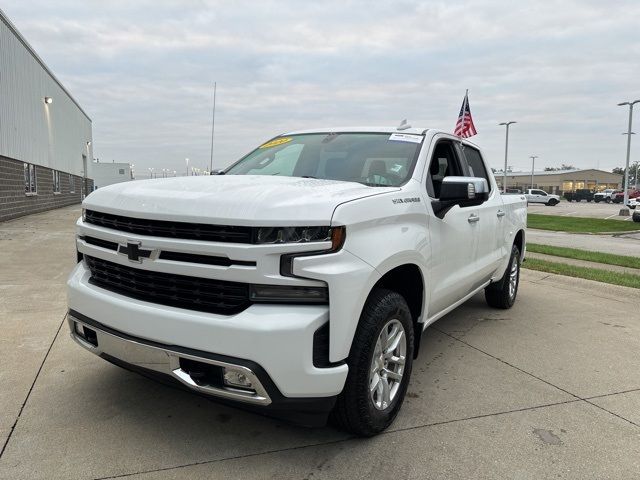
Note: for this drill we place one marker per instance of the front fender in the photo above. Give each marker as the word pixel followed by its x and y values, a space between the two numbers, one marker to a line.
pixel 350 280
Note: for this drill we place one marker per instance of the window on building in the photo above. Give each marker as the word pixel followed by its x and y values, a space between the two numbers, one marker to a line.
pixel 56 181
pixel 121 171
pixel 30 183
pixel 72 184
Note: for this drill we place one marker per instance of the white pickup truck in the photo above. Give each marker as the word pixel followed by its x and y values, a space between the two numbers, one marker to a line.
pixel 535 195
pixel 298 281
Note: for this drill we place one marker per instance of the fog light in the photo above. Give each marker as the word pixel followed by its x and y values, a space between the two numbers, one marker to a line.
pixel 236 378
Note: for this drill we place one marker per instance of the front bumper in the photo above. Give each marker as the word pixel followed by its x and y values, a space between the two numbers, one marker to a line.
pixel 167 363
pixel 278 338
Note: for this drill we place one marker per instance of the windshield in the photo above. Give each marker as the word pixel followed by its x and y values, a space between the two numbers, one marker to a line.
pixel 375 159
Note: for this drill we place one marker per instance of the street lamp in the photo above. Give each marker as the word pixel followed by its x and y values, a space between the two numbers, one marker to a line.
pixel 506 152
pixel 48 100
pixel 625 210
pixel 533 162
pixel 187 162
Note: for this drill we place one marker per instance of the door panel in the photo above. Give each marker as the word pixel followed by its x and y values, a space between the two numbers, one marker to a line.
pixel 453 238
pixel 491 216
pixel 454 241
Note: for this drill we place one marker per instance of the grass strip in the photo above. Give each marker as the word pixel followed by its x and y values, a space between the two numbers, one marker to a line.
pixel 605 276
pixel 586 255
pixel 579 224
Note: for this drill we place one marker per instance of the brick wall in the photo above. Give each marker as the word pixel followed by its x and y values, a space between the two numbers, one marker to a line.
pixel 13 201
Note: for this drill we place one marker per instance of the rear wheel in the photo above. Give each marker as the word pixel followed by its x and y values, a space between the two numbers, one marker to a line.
pixel 502 294
pixel 380 364
pixel 553 202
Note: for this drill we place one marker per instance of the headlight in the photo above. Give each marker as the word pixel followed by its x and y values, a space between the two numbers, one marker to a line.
pixel 84 214
pixel 293 234
pixel 288 294
pixel 337 238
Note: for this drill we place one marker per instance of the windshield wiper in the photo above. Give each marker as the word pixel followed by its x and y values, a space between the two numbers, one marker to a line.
pixel 308 176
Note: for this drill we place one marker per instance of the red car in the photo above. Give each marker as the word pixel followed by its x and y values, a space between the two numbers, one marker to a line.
pixel 618 197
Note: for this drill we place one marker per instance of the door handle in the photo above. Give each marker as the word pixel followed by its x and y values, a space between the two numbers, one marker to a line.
pixel 473 218
pixel 500 213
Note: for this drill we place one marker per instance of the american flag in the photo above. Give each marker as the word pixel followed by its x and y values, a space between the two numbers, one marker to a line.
pixel 464 126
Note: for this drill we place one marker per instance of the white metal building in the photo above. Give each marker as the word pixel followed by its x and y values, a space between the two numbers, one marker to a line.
pixel 45 135
pixel 104 174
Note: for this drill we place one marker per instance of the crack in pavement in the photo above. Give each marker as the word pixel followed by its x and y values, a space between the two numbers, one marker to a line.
pixel 586 400
pixel 13 427
pixel 343 440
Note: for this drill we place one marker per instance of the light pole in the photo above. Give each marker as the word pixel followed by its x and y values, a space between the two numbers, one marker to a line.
pixel 625 210
pixel 213 123
pixel 187 162
pixel 506 154
pixel 533 163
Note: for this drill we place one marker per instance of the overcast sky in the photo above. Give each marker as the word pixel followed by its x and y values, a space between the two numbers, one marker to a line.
pixel 144 69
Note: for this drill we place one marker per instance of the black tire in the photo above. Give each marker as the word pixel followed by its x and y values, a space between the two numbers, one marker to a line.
pixel 552 203
pixel 636 217
pixel 499 294
pixel 608 200
pixel 354 410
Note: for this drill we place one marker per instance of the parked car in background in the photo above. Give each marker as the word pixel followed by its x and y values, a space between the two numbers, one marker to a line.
pixel 605 195
pixel 579 195
pixel 618 197
pixel 636 217
pixel 633 203
pixel 540 196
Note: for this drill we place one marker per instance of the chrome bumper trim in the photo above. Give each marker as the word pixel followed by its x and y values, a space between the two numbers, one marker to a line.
pixel 168 362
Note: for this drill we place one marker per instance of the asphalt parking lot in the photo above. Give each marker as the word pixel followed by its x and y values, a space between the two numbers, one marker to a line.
pixel 581 209
pixel 548 389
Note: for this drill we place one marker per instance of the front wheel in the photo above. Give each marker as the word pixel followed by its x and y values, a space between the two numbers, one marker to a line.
pixel 553 202
pixel 502 294
pixel 380 364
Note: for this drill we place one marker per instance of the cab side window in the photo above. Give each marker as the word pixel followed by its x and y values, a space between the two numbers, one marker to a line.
pixel 444 163
pixel 474 163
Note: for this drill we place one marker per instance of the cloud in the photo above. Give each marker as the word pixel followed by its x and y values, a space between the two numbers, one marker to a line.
pixel 144 71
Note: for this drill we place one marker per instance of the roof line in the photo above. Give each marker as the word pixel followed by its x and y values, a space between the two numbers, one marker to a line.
pixel 37 58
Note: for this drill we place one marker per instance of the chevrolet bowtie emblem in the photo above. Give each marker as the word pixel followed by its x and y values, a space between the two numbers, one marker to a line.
pixel 133 251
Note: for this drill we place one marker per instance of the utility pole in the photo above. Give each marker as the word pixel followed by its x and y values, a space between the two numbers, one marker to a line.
pixel 213 125
pixel 533 163
pixel 625 210
pixel 506 155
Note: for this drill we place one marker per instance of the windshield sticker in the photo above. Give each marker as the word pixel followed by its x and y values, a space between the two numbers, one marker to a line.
pixel 276 142
pixel 406 137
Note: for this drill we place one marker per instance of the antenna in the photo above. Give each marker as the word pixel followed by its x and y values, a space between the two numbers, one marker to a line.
pixel 403 125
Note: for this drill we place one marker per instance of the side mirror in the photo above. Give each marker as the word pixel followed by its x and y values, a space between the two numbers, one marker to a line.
pixel 217 171
pixel 463 191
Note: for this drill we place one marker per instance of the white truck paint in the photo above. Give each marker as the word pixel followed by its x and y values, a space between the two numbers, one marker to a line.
pixel 605 195
pixel 535 195
pixel 383 232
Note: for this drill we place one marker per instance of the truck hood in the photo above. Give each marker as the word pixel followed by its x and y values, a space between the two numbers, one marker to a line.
pixel 231 199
